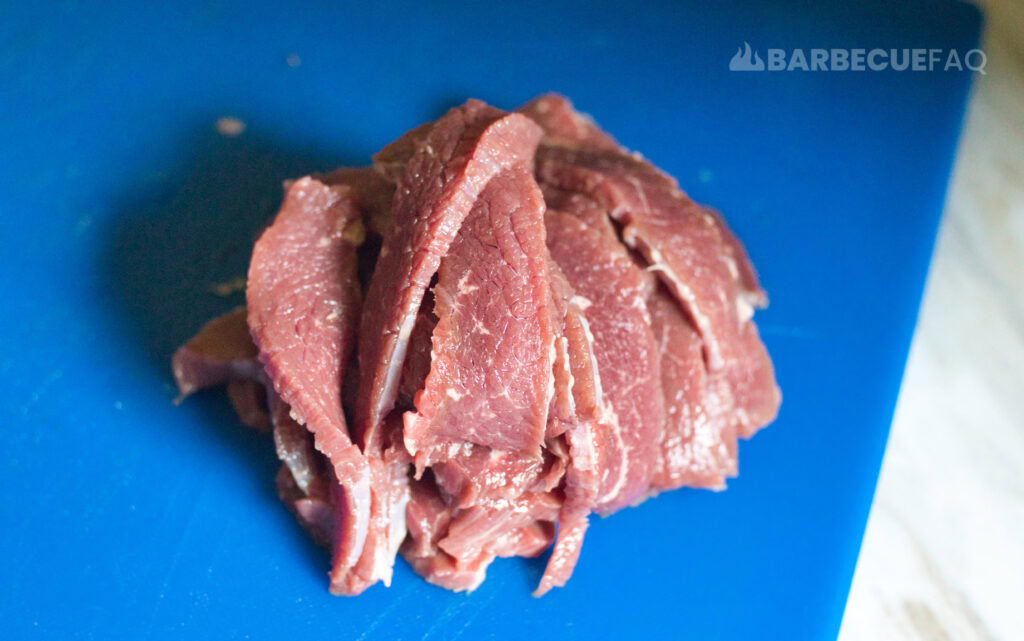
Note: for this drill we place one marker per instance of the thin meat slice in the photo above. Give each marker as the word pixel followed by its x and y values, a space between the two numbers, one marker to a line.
pixel 697 449
pixel 563 125
pixel 373 194
pixel 694 253
pixel 303 301
pixel 441 181
pixel 491 377
pixel 249 400
pixel 474 473
pixel 579 414
pixel 304 480
pixel 749 283
pixel 610 292
pixel 428 516
pixel 750 384
pixel 594 439
pixel 417 360
pixel 582 484
pixel 675 235
pixel 495 527
pixel 221 351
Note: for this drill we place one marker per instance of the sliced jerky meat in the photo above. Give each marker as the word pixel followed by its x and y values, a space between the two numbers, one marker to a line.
pixel 303 303
pixel 551 328
pixel 563 125
pixel 671 231
pixel 611 293
pixel 372 192
pixel 691 248
pixel 491 376
pixel 697 449
pixel 440 183
pixel 222 350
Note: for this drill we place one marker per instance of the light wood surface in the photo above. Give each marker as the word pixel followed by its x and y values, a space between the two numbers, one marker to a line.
pixel 943 556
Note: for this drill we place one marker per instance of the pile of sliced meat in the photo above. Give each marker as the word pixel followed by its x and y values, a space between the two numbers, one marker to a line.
pixel 507 323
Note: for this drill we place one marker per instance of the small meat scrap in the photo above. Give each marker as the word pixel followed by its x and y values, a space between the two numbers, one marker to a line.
pixel 505 323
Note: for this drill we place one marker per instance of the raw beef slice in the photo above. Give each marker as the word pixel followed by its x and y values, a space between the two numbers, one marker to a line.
pixel 551 328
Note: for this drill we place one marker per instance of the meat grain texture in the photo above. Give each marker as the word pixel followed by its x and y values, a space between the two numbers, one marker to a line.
pixel 505 324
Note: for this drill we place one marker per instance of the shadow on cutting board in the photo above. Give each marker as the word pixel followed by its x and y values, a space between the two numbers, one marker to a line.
pixel 179 249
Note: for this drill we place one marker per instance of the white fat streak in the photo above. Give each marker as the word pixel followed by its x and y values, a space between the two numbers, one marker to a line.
pixel 361 497
pixel 581 446
pixel 744 310
pixel 640 190
pixel 682 291
pixel 452 394
pixel 610 418
pixel 481 329
pixel 580 302
pixel 598 392
pixel 478 578
pixel 567 369
pixel 396 534
pixel 549 393
pixel 607 416
pixel 463 287
pixel 396 361
pixel 734 271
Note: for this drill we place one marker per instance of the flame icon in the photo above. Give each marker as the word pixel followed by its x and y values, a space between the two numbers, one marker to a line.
pixel 746 59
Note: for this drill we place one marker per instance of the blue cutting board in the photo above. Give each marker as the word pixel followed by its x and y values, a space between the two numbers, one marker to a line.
pixel 124 516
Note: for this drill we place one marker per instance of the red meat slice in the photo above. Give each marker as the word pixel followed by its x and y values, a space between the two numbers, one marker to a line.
pixel 698 258
pixel 563 125
pixel 222 350
pixel 474 473
pixel 440 184
pixel 586 429
pixel 303 302
pixel 491 376
pixel 697 449
pixel 610 292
